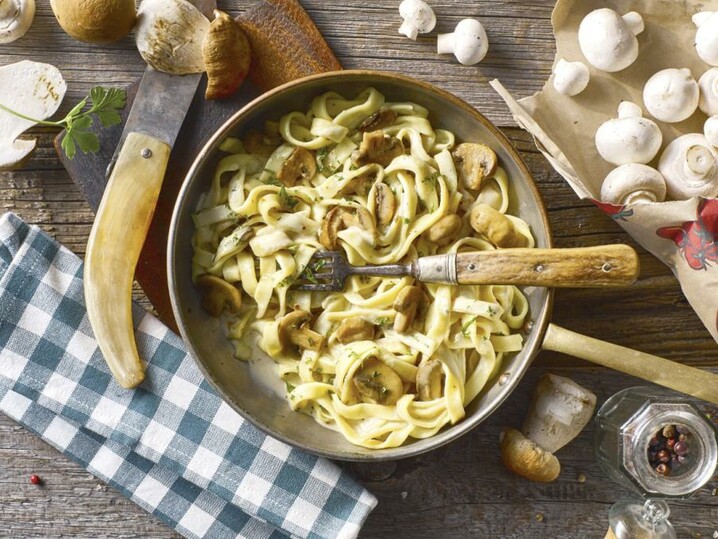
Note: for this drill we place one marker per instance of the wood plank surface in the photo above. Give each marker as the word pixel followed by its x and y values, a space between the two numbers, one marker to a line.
pixel 461 490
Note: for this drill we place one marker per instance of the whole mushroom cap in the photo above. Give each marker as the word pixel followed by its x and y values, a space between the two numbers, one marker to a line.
pixel 689 166
pixel 710 130
pixel 671 95
pixel 608 40
pixel 708 85
pixel 707 36
pixel 16 17
pixel 630 138
pixel 633 183
pixel 570 78
pixel 418 18
pixel 95 21
pixel 468 42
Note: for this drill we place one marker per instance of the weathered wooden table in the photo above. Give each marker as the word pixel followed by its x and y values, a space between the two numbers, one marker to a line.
pixel 458 491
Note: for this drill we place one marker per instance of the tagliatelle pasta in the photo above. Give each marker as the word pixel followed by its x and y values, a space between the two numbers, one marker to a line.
pixel 365 361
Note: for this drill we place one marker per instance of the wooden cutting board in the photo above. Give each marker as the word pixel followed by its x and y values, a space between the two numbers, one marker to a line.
pixel 286 45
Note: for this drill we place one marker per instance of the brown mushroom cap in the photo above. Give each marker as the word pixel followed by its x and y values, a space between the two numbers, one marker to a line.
pixel 525 458
pixel 377 383
pixel 377 147
pixel 379 120
pixel 497 228
pixel 385 204
pixel 292 330
pixel 355 329
pixel 255 142
pixel 406 304
pixel 475 162
pixel 218 295
pixel 429 380
pixel 340 218
pixel 444 230
pixel 300 165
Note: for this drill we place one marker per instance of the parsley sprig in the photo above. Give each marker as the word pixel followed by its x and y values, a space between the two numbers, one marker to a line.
pixel 104 103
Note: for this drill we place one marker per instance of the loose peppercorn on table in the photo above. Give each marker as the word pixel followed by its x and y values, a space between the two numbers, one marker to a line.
pixel 461 490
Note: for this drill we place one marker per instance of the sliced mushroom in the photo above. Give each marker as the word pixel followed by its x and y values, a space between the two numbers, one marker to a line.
pixel 377 383
pixel 218 295
pixel 300 165
pixel 497 228
pixel 406 304
pixel 385 204
pixel 377 147
pixel 340 218
pixel 260 143
pixel 379 120
pixel 355 329
pixel 293 330
pixel 526 458
pixel 429 376
pixel 475 162
pixel 444 230
pixel 360 185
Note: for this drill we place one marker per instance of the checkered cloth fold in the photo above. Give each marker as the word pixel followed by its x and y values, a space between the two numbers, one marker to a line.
pixel 171 445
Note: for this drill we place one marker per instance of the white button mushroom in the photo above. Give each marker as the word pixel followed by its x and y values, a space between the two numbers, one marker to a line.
pixel 688 165
pixel 570 78
pixel 708 84
pixel 468 42
pixel 608 40
pixel 707 36
pixel 418 18
pixel 710 130
pixel 671 95
pixel 633 183
pixel 15 19
pixel 630 138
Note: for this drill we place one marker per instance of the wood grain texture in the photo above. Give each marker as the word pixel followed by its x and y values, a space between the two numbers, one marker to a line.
pixel 588 267
pixel 460 490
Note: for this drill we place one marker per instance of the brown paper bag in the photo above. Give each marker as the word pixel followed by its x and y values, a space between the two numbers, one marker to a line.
pixel 682 234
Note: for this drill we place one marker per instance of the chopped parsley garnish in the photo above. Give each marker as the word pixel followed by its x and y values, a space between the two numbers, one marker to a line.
pixel 288 201
pixel 465 327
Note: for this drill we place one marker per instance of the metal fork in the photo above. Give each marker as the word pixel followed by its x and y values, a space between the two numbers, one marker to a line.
pixel 589 267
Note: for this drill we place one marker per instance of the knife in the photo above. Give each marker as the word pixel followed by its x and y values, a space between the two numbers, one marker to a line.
pixel 125 212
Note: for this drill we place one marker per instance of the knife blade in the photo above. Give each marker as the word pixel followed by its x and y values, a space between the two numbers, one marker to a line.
pixel 125 212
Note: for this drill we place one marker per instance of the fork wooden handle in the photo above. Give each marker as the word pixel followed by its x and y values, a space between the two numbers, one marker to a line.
pixel 589 267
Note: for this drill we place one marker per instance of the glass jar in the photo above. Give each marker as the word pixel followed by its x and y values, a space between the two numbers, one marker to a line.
pixel 628 427
pixel 631 520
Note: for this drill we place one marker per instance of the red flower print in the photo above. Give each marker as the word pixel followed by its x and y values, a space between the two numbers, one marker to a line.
pixel 697 239
pixel 615 212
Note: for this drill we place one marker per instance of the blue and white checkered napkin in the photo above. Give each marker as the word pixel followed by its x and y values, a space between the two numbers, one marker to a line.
pixel 171 445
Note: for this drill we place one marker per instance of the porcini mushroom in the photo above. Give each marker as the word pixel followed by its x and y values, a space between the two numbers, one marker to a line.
pixel 688 165
pixel 710 130
pixel 475 163
pixel 633 183
pixel 385 204
pixel 293 330
pixel 95 21
pixel 418 18
pixel 559 411
pixel 570 78
pixel 218 295
pixel 429 377
pixel 671 95
pixel 354 329
pixel 444 230
pixel 34 90
pixel 300 165
pixel 608 40
pixel 525 458
pixel 406 305
pixel 169 35
pixel 379 120
pixel 630 138
pixel 16 17
pixel 495 226
pixel 377 383
pixel 707 36
pixel 377 147
pixel 226 56
pixel 468 42
pixel 708 85
pixel 340 218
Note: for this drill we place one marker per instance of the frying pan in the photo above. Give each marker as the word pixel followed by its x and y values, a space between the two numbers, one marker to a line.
pixel 254 390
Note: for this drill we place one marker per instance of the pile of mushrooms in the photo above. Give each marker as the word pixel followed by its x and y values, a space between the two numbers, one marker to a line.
pixel 559 411
pixel 688 166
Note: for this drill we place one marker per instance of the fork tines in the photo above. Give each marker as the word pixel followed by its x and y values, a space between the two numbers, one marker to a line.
pixel 321 273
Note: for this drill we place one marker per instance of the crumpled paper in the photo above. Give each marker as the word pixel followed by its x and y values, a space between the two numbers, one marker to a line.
pixel 682 234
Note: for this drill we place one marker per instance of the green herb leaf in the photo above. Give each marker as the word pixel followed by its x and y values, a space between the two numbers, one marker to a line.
pixel 287 200
pixel 465 327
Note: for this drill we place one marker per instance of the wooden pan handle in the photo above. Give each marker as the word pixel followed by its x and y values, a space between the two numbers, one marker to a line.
pixel 589 267
pixel 689 380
